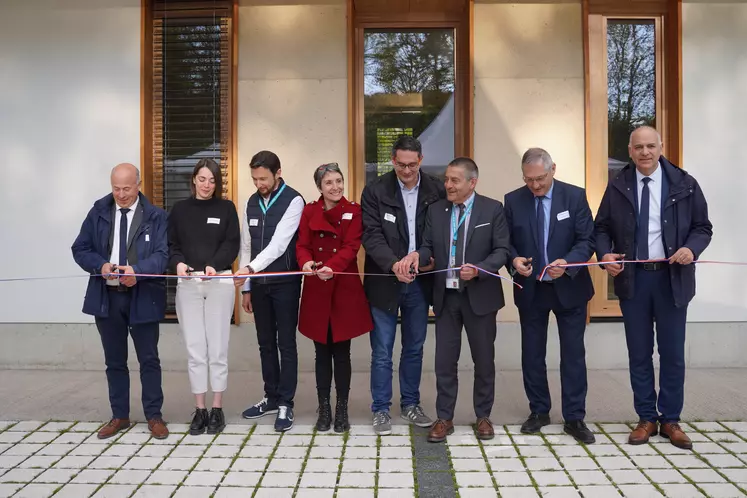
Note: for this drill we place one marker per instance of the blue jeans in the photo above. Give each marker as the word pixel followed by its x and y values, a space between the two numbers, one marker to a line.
pixel 414 309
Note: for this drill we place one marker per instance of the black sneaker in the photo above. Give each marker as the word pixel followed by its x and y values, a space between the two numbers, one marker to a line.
pixel 264 407
pixel 217 421
pixel 535 422
pixel 199 422
pixel 284 420
pixel 579 431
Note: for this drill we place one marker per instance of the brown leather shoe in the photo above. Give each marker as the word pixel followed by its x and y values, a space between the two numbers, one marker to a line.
pixel 158 428
pixel 439 431
pixel 643 432
pixel 676 436
pixel 485 428
pixel 114 426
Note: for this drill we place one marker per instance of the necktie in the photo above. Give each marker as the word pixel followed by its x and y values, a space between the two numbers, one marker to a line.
pixel 123 237
pixel 643 221
pixel 459 259
pixel 541 231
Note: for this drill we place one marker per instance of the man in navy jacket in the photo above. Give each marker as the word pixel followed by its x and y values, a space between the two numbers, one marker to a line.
pixel 653 211
pixel 550 223
pixel 125 233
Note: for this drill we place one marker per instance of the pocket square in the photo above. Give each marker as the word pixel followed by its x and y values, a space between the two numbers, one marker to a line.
pixel 483 225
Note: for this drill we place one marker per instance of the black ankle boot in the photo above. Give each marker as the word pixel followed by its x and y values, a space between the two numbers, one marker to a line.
pixel 342 423
pixel 199 422
pixel 324 421
pixel 217 421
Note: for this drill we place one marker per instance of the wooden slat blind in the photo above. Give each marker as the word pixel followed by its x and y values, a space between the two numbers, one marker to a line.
pixel 191 101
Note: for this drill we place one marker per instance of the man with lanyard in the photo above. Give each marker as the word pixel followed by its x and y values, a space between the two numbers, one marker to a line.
pixel 468 231
pixel 268 244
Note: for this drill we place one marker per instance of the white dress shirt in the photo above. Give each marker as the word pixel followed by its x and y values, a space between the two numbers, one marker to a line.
pixel 410 197
pixel 284 232
pixel 455 264
pixel 655 242
pixel 114 256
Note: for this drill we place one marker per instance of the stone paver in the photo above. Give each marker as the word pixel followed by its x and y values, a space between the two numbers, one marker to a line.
pixel 63 459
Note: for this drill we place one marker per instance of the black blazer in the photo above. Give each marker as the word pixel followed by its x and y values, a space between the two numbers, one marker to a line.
pixel 487 247
pixel 571 237
pixel 386 241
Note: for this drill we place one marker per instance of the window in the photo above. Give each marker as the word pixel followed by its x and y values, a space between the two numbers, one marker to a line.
pixel 629 84
pixel 188 90
pixel 410 73
pixel 408 88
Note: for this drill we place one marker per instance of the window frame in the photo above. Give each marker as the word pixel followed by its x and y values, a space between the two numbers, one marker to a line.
pixel 453 14
pixel 667 17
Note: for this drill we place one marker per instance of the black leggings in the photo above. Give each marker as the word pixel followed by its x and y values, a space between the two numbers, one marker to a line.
pixel 327 354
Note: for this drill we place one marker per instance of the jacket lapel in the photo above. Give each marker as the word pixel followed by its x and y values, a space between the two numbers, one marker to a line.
pixel 137 220
pixel 556 204
pixel 625 183
pixel 531 210
pixel 395 200
pixel 476 205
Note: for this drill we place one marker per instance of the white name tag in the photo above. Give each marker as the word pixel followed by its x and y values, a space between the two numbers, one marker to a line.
pixel 347 216
pixel 213 221
pixel 253 222
pixel 147 237
pixel 452 283
pixel 390 217
pixel 564 215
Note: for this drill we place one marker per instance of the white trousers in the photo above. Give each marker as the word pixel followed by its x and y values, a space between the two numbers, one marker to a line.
pixel 204 309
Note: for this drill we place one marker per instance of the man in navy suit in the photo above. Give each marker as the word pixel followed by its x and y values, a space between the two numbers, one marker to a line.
pixel 550 222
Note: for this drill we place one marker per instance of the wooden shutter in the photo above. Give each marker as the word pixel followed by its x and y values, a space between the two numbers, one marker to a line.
pixel 191 102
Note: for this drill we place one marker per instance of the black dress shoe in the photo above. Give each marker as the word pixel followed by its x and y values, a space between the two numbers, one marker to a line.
pixel 217 421
pixel 199 422
pixel 535 422
pixel 579 431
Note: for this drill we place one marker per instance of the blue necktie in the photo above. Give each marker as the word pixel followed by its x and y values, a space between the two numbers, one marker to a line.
pixel 541 230
pixel 643 221
pixel 123 237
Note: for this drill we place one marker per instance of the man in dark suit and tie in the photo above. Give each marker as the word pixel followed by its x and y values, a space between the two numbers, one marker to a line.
pixel 464 231
pixel 670 229
pixel 550 221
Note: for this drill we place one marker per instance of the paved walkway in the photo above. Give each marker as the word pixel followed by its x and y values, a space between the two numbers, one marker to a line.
pixel 65 459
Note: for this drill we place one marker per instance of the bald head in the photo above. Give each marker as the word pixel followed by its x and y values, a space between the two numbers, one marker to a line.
pixel 125 180
pixel 645 148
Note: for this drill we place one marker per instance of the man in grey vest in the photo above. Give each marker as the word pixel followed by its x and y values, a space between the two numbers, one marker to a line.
pixel 268 244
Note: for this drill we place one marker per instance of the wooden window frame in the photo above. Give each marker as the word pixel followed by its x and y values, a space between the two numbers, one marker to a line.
pixel 667 17
pixel 423 14
pixel 147 129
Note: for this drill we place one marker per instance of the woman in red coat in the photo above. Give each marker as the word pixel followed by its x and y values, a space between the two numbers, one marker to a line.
pixel 334 309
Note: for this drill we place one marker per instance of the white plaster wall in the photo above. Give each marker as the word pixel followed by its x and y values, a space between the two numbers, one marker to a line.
pixel 69 111
pixel 714 84
pixel 529 92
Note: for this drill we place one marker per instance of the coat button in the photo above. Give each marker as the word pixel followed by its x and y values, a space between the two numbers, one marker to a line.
pixel 321 235
pixel 320 249
pixel 334 250
pixel 334 236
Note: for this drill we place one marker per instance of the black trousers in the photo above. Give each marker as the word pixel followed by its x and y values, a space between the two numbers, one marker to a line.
pixel 571 329
pixel 276 318
pixel 114 330
pixel 327 355
pixel 481 331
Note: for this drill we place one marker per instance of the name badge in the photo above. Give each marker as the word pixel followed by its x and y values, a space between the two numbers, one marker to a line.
pixel 564 215
pixel 347 216
pixel 213 221
pixel 147 237
pixel 452 283
pixel 390 217
pixel 254 222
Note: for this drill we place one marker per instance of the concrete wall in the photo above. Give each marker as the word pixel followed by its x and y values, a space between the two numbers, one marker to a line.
pixel 69 111
pixel 714 84
pixel 529 92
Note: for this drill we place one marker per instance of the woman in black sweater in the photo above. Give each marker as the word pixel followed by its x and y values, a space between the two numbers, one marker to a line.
pixel 204 240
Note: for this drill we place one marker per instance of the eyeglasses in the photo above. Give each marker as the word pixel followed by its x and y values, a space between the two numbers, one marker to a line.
pixel 538 179
pixel 403 166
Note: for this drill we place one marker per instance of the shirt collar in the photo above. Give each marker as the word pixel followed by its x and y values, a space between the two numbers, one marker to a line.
pixel 469 200
pixel 405 189
pixel 655 176
pixel 131 208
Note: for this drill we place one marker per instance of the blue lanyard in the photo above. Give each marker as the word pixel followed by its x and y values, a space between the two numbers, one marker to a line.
pixel 455 227
pixel 272 201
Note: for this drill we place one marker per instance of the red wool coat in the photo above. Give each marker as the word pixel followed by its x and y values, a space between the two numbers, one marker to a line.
pixel 333 238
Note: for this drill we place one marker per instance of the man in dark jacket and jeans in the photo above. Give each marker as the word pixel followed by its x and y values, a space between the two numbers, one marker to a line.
pixel 394 209
pixel 655 212
pixel 125 233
